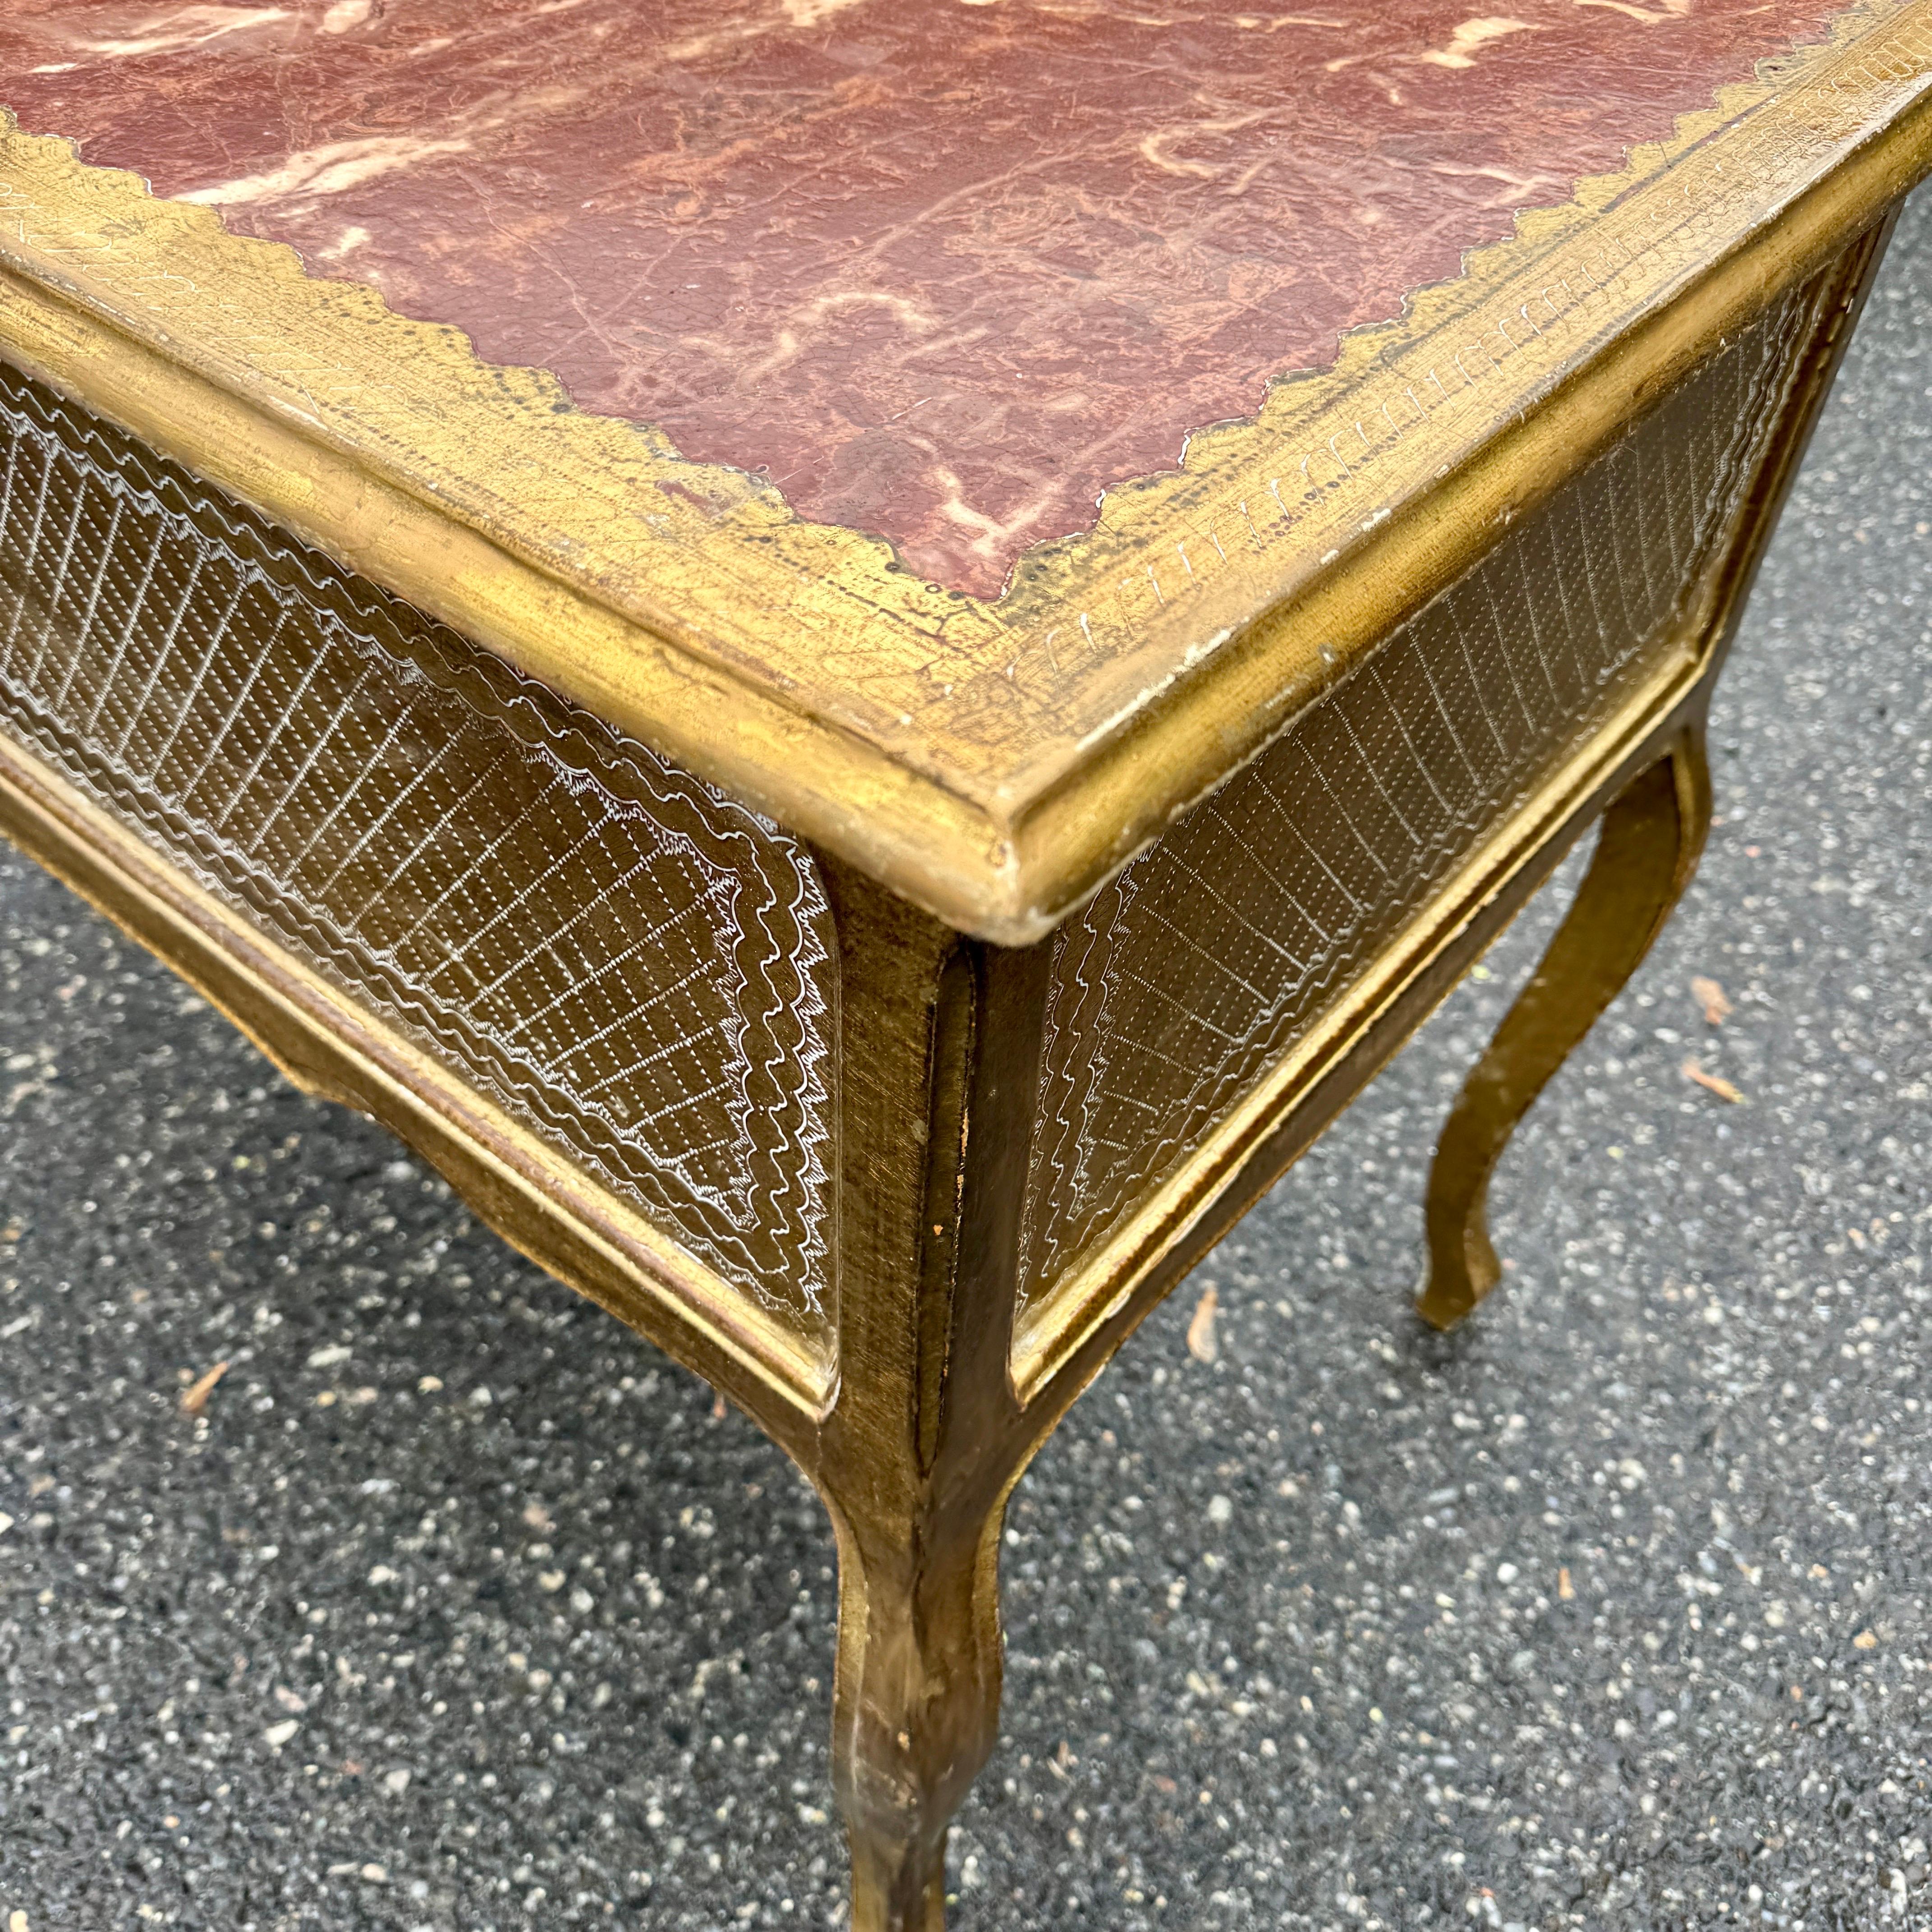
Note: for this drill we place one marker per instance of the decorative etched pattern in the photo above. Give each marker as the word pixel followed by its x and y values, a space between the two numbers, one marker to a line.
pixel 639 969
pixel 1190 974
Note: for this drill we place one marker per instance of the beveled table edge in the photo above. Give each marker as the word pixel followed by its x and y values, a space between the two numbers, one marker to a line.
pixel 994 762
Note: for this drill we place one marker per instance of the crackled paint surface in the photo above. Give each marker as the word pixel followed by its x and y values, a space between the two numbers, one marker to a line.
pixel 944 270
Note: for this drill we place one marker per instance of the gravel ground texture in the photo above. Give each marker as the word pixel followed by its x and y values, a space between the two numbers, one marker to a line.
pixel 460 1609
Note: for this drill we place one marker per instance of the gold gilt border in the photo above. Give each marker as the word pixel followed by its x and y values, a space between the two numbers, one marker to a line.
pixel 995 761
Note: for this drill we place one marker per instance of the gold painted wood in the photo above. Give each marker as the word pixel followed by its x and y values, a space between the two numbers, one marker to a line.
pixel 1647 849
pixel 994 762
pixel 1111 1277
pixel 327 1045
pixel 968 774
pixel 937 1401
pixel 917 1699
pixel 1651 839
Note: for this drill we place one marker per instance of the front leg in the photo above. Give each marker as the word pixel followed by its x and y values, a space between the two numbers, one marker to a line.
pixel 1647 850
pixel 926 1438
pixel 916 1709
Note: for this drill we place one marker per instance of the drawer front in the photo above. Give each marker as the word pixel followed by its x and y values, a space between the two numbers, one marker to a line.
pixel 636 968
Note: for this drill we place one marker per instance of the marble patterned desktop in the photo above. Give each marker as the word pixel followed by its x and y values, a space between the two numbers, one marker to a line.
pixel 944 272
pixel 860 658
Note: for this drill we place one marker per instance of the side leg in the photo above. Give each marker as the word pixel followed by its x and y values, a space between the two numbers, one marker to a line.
pixel 915 1709
pixel 1648 849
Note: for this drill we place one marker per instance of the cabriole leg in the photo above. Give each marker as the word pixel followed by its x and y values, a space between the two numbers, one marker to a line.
pixel 1646 852
pixel 926 1438
pixel 916 1709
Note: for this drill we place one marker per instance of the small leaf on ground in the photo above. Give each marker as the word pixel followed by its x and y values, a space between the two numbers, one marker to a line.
pixel 1201 1342
pixel 1715 1083
pixel 194 1399
pixel 1710 996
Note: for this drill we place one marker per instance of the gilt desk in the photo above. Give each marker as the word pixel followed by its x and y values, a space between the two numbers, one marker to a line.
pixel 859 661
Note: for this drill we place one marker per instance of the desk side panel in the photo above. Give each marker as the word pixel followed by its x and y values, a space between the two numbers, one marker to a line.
pixel 1185 981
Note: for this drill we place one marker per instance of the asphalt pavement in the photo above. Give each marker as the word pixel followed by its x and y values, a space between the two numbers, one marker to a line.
pixel 458 1608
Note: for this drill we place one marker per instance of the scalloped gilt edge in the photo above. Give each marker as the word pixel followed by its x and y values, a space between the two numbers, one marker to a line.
pixel 1018 744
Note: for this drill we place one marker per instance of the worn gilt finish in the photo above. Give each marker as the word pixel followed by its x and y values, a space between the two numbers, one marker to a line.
pixel 945 274
pixel 970 773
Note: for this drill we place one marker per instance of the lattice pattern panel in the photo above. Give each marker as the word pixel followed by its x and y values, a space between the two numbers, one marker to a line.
pixel 640 970
pixel 1213 953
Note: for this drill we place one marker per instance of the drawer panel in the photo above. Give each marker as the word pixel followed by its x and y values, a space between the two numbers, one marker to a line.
pixel 636 967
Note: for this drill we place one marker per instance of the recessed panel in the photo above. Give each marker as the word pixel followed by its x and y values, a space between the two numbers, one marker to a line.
pixel 633 965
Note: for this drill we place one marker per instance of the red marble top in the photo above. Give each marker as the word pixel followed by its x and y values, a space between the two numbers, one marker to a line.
pixel 944 270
